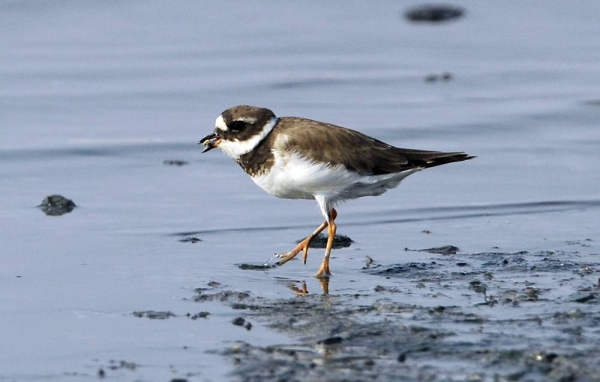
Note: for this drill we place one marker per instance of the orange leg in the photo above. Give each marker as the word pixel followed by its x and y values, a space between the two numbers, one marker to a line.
pixel 302 246
pixel 332 229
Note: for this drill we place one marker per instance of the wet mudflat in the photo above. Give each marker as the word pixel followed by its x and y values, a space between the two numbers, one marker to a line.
pixel 482 270
pixel 472 316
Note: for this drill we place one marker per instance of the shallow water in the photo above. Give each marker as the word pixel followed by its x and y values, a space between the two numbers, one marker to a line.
pixel 96 95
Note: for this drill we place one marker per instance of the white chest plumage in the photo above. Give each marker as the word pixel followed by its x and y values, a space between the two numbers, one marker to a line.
pixel 294 176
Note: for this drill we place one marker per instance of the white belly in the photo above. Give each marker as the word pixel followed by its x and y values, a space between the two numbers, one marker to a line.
pixel 295 177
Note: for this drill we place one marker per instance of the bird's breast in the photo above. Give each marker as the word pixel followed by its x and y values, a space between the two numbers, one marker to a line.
pixel 293 176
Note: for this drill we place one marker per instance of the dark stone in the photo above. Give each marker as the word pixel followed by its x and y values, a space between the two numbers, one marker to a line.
pixel 340 241
pixel 584 299
pixel 174 162
pixel 199 315
pixel 434 13
pixel 445 250
pixel 331 341
pixel 189 239
pixel 239 321
pixel 56 205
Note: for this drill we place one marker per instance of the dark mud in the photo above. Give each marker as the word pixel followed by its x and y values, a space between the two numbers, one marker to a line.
pixel 491 316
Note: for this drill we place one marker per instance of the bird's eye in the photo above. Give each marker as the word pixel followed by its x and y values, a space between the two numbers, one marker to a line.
pixel 237 126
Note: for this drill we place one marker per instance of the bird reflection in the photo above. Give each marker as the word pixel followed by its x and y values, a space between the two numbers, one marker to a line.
pixel 301 290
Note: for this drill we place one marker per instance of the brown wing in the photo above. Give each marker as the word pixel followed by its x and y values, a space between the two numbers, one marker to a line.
pixel 358 152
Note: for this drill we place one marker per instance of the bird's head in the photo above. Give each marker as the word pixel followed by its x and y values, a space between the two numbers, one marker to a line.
pixel 238 130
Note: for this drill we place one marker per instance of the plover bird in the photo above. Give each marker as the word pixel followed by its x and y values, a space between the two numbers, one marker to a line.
pixel 298 158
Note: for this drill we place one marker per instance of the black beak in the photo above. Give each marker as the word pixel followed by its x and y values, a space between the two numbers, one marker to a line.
pixel 209 142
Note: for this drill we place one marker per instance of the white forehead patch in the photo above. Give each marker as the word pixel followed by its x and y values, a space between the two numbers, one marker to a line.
pixel 248 120
pixel 237 148
pixel 220 123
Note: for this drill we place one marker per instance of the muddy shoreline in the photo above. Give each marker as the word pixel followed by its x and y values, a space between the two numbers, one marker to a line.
pixel 515 317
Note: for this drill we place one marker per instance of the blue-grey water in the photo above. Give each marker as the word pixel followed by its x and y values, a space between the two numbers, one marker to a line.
pixel 95 95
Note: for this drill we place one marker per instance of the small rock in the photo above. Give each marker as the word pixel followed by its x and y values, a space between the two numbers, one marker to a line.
pixel 174 162
pixel 331 341
pixel 445 250
pixel 56 205
pixel 189 239
pixel 239 321
pixel 340 241
pixel 434 13
pixel 584 299
pixel 199 315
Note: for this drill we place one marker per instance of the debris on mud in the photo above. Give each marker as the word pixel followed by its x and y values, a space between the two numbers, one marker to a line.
pixel 255 267
pixel 395 269
pixel 228 296
pixel 116 365
pixel 198 315
pixel 154 315
pixel 56 205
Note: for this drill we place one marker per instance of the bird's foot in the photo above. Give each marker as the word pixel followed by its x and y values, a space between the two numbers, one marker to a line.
pixel 323 271
pixel 302 246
